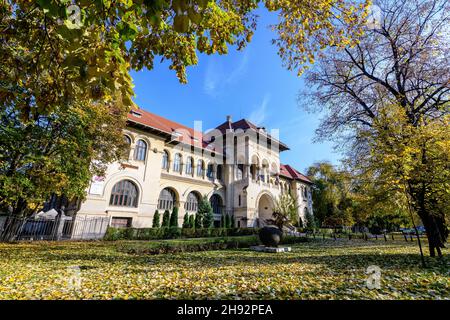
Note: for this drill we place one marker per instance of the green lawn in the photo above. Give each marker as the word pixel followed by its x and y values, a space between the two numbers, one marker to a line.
pixel 314 270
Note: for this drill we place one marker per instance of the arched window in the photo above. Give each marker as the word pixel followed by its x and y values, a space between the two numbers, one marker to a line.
pixel 216 203
pixel 200 168
pixel 263 171
pixel 305 193
pixel 124 194
pixel 177 163
pixel 165 160
pixel 189 165
pixel 273 169
pixel 191 202
pixel 140 150
pixel 210 171
pixel 126 152
pixel 167 199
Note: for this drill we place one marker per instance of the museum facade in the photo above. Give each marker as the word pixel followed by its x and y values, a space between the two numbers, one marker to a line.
pixel 236 166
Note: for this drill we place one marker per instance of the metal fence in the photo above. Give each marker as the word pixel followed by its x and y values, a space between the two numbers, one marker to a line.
pixel 65 228
pixel 89 228
pixel 393 236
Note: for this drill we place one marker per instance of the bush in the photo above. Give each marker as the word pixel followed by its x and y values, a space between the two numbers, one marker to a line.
pixel 174 218
pixel 286 239
pixel 193 245
pixel 189 245
pixel 148 233
pixel 227 221
pixel 198 220
pixel 172 233
pixel 113 234
pixel 166 219
pixel 206 212
pixel 186 221
pixel 156 220
pixel 191 221
pixel 310 221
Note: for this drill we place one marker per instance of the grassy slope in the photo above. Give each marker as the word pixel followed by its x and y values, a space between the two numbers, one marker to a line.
pixel 315 270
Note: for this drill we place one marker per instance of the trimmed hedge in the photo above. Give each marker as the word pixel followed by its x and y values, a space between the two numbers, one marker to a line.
pixel 173 233
pixel 191 245
pixel 194 245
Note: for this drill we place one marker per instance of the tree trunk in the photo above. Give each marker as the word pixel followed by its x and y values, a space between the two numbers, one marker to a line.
pixel 436 231
pixel 14 222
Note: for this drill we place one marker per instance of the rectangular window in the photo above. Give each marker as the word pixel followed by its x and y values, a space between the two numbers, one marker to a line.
pixel 210 172
pixel 120 222
pixel 200 169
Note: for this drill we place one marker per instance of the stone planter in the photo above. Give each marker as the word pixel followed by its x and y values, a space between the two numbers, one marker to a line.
pixel 270 236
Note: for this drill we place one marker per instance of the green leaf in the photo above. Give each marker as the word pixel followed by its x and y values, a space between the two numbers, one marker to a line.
pixel 181 23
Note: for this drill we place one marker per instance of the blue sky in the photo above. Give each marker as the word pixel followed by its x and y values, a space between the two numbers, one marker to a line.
pixel 248 84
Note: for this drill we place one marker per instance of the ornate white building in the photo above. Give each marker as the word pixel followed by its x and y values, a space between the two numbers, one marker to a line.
pixel 237 166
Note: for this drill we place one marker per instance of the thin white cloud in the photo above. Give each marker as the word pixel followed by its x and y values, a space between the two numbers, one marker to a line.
pixel 259 115
pixel 212 77
pixel 240 70
pixel 217 79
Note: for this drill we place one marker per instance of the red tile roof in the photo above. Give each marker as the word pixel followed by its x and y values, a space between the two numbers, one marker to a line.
pixel 196 138
pixel 291 173
pixel 186 135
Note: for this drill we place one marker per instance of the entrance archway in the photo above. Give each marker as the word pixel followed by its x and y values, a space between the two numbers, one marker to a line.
pixel 265 207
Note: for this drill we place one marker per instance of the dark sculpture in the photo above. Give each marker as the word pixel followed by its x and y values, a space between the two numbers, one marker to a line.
pixel 270 236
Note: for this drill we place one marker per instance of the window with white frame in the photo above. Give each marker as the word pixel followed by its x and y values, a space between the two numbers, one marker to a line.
pixel 124 194
pixel 192 201
pixel 126 152
pixel 167 199
pixel 216 203
pixel 177 163
pixel 140 150
pixel 189 165
pixel 200 168
pixel 165 160
pixel 210 171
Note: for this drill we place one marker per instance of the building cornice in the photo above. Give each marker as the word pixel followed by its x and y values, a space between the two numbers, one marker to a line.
pixel 175 177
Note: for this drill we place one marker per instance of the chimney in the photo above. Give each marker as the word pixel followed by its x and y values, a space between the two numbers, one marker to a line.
pixel 228 118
